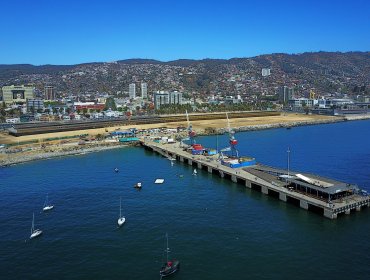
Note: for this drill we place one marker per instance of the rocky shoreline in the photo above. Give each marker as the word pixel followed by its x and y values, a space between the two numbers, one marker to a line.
pixel 12 159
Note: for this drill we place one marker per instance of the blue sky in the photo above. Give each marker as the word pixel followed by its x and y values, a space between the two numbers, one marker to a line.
pixel 69 32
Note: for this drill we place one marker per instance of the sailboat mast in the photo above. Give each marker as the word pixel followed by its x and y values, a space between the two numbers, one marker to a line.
pixel 217 143
pixel 120 207
pixel 167 249
pixel 33 221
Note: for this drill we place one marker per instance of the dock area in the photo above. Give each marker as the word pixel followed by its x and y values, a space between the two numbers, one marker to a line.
pixel 311 192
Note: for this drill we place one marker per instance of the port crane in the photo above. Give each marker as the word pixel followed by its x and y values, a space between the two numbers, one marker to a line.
pixel 232 141
pixel 191 132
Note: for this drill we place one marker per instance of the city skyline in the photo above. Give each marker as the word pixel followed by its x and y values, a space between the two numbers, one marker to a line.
pixel 66 32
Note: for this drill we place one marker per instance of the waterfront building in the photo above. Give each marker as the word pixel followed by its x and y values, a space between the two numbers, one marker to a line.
pixel 49 93
pixel 132 91
pixel 266 72
pixel 34 104
pixel 285 94
pixel 13 94
pixel 144 90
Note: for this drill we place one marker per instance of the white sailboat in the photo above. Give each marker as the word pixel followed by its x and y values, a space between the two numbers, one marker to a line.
pixel 121 219
pixel 34 232
pixel 47 205
pixel 195 172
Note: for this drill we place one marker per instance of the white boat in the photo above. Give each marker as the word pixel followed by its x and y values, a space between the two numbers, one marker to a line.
pixel 159 181
pixel 47 205
pixel 34 232
pixel 195 172
pixel 121 219
pixel 138 185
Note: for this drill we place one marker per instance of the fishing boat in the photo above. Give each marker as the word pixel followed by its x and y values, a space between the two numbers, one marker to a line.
pixel 170 266
pixel 121 219
pixel 47 205
pixel 137 185
pixel 34 232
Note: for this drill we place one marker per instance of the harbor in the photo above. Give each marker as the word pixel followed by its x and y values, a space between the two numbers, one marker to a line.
pixel 326 196
pixel 204 214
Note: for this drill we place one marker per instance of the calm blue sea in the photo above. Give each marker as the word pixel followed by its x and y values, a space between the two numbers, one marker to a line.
pixel 217 229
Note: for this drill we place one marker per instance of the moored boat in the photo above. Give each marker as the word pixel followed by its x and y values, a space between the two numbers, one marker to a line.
pixel 34 232
pixel 170 266
pixel 47 205
pixel 121 219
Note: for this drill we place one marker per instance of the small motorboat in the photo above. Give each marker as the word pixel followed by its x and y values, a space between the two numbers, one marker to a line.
pixel 116 169
pixel 137 185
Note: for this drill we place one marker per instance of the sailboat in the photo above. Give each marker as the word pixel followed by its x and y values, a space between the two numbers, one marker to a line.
pixel 121 219
pixel 34 232
pixel 47 205
pixel 170 266
pixel 195 172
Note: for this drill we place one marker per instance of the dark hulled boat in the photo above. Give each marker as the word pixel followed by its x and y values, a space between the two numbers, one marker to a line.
pixel 170 266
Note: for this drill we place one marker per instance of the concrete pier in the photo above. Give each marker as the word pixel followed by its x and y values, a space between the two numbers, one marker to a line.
pixel 303 204
pixel 310 195
pixel 264 190
pixel 282 196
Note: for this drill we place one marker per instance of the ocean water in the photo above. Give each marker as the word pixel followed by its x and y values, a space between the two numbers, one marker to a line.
pixel 217 229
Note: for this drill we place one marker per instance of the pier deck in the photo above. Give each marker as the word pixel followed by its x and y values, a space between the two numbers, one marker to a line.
pixel 328 196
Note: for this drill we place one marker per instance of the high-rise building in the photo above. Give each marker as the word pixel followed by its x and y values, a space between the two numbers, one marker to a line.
pixel 13 94
pixel 161 98
pixel 176 97
pixel 285 94
pixel 49 93
pixel 165 97
pixel 266 72
pixel 144 90
pixel 132 91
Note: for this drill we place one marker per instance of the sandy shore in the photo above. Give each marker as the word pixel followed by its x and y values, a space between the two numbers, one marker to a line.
pixel 199 126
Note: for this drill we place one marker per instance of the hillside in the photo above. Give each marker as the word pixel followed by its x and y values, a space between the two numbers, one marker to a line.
pixel 323 71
